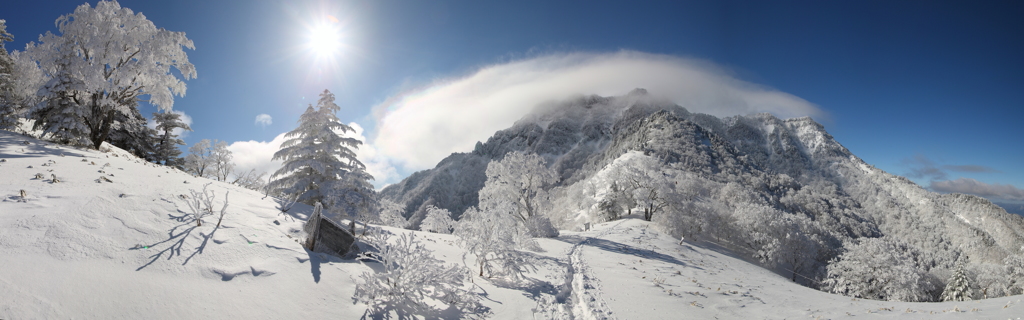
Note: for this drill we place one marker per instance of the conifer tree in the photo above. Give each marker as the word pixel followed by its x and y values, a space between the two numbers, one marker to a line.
pixel 130 133
pixel 166 144
pixel 6 73
pixel 321 166
pixel 959 287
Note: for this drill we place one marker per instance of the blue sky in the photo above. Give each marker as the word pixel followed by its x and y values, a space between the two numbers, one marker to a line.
pixel 929 89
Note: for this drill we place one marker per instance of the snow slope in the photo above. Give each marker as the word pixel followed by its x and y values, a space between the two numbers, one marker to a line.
pixel 84 247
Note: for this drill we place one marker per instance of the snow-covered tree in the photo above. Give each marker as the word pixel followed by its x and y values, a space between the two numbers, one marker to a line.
pixel 7 77
pixel 390 214
pixel 166 149
pixel 209 159
pixel 4 37
pixel 519 179
pixel 320 164
pixel 643 178
pixel 438 220
pixel 129 132
pixel 250 180
pixel 411 281
pixel 1015 273
pixel 221 161
pixel 19 83
pixel 199 160
pixel 494 236
pixel 104 60
pixel 881 269
pixel 958 288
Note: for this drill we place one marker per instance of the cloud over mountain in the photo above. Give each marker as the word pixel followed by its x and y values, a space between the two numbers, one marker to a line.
pixel 419 127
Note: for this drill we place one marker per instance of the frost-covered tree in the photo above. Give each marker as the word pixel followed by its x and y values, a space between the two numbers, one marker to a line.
pixel 7 77
pixel 20 79
pixel 102 63
pixel 645 181
pixel 390 214
pixel 209 159
pixel 958 288
pixel 5 60
pixel 320 163
pixel 220 158
pixel 881 269
pixel 199 160
pixel 519 179
pixel 494 235
pixel 250 180
pixel 438 220
pixel 1015 273
pixel 166 150
pixel 411 281
pixel 129 132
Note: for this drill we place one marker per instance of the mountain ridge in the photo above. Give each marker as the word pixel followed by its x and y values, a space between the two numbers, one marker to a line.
pixel 791 165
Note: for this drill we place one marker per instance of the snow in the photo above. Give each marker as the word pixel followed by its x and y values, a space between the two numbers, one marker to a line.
pixel 87 248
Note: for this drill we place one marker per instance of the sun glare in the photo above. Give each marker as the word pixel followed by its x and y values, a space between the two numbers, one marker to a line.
pixel 325 40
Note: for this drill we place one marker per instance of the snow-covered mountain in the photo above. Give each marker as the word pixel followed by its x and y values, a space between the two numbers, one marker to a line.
pixel 111 239
pixel 792 166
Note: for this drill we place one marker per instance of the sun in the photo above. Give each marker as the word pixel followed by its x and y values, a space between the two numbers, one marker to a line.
pixel 324 40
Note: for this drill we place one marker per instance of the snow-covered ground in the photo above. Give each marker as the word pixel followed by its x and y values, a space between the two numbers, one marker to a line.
pixel 120 246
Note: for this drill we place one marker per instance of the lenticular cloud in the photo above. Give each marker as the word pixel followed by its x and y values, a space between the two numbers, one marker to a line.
pixel 420 127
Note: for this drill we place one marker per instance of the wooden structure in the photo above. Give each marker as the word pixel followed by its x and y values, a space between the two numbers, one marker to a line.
pixel 326 236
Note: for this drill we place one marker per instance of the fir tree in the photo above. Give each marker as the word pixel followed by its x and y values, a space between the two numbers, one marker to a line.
pixel 958 288
pixel 320 165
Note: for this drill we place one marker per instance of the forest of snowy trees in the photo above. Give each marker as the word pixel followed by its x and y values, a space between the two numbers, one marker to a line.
pixel 780 192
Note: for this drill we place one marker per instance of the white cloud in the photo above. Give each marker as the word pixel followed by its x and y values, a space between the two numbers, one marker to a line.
pixel 264 120
pixel 251 154
pixel 248 155
pixel 186 119
pixel 420 127
pixel 978 188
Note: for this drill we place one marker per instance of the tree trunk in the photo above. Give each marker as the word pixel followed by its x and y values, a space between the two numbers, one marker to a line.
pixel 101 133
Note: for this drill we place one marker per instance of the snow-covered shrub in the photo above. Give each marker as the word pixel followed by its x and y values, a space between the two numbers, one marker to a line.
pixel 881 269
pixel 493 235
pixel 438 221
pixel 540 227
pixel 411 281
pixel 200 203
